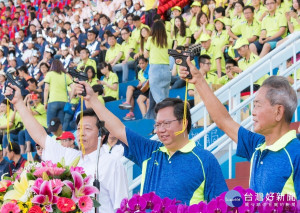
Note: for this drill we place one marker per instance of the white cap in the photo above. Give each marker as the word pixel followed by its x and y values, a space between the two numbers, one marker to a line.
pixel 11 70
pixel 49 50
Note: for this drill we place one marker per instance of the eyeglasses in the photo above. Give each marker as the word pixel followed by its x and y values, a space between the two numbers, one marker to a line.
pixel 207 63
pixel 165 124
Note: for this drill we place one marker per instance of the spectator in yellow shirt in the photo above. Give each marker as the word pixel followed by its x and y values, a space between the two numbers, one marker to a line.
pixel 273 29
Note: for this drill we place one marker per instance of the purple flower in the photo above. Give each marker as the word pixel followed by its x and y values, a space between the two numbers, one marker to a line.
pixel 137 203
pixel 152 200
pixel 171 209
pixel 124 205
pixel 198 208
pixel 181 208
pixel 46 196
pixel 217 205
pixel 80 188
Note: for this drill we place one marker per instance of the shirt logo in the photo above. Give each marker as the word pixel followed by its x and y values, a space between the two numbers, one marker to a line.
pixel 156 163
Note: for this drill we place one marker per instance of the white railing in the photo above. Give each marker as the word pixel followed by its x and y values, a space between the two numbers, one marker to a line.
pixel 231 93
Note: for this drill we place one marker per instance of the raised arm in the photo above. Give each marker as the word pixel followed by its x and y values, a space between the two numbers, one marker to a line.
pixel 112 123
pixel 34 128
pixel 215 108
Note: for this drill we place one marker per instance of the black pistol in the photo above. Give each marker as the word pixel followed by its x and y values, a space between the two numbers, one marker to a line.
pixel 13 81
pixel 81 76
pixel 180 56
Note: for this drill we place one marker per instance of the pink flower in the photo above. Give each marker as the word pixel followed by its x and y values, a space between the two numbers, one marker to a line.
pixel 56 183
pixel 46 196
pixel 85 204
pixel 39 171
pixel 51 171
pixel 38 182
pixel 79 188
pixel 10 208
pixel 78 169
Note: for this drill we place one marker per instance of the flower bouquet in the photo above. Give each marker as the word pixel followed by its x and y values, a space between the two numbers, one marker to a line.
pixel 238 200
pixel 48 187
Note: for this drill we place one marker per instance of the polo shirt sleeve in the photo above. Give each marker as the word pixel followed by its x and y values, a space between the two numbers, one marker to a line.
pixel 47 78
pixel 68 79
pixel 214 180
pixel 148 44
pixel 115 79
pixel 217 52
pixel 107 55
pixel 247 142
pixel 40 109
pixel 188 33
pixel 282 21
pixel 256 29
pixel 263 24
pixel 139 148
pixel 236 30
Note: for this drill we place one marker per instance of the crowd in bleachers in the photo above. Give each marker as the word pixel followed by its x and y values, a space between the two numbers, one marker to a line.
pixel 109 40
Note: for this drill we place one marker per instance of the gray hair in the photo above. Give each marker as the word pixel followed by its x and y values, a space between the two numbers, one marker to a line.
pixel 280 92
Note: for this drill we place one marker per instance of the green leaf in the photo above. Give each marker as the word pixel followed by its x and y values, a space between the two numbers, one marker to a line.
pixel 11 187
pixel 96 204
pixel 59 165
pixel 30 176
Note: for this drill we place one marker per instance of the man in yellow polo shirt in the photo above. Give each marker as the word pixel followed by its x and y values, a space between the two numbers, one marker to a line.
pixel 247 60
pixel 86 61
pixel 136 33
pixel 127 47
pixel 249 29
pixel 210 77
pixel 215 53
pixel 273 29
pixel 113 50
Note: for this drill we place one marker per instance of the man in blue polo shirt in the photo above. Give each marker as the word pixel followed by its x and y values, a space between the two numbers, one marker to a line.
pixel 175 168
pixel 274 150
